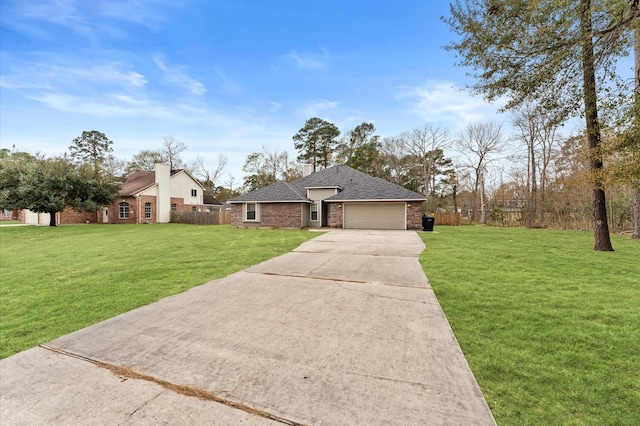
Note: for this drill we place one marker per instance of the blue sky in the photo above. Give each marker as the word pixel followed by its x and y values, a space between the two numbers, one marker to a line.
pixel 223 76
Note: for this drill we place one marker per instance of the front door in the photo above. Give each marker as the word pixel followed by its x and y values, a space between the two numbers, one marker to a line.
pixel 325 214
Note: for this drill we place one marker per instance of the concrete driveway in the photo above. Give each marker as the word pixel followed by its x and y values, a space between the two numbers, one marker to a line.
pixel 344 330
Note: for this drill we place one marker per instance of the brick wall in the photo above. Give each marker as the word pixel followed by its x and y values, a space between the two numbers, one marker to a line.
pixel 13 215
pixel 335 215
pixel 136 204
pixel 71 216
pixel 281 215
pixel 288 215
pixel 180 205
pixel 284 215
pixel 414 216
pixel 236 215
pixel 114 210
pixel 148 199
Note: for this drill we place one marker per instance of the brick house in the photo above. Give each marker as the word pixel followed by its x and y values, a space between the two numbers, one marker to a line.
pixel 337 197
pixel 149 197
pixel 145 197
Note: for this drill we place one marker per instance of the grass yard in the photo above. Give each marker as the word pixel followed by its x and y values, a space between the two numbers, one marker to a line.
pixel 550 328
pixel 57 280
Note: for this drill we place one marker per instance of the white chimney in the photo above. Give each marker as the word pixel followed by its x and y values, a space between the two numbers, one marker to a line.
pixel 307 169
pixel 163 204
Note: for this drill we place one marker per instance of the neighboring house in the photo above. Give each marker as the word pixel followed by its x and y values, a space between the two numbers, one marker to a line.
pixel 145 197
pixel 337 197
pixel 11 215
pixel 511 206
pixel 211 204
pixel 68 216
pixel 149 197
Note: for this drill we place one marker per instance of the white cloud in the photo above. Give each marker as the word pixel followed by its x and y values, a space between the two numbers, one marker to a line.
pixel 112 90
pixel 115 105
pixel 275 106
pixel 176 75
pixel 318 108
pixel 86 18
pixel 309 61
pixel 146 13
pixel 228 85
pixel 445 102
pixel 44 75
pixel 107 73
pixel 126 99
pixel 63 13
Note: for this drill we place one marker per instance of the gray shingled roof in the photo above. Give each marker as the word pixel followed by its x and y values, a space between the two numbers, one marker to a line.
pixel 355 186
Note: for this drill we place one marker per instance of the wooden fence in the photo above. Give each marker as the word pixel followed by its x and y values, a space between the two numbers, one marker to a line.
pixel 448 219
pixel 201 218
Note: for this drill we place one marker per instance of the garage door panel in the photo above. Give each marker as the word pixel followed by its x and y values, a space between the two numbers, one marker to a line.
pixel 374 216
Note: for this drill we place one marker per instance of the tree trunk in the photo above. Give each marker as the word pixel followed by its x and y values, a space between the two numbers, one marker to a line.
pixel 483 207
pixel 52 218
pixel 636 215
pixel 602 239
pixel 534 185
pixel 636 195
pixel 455 198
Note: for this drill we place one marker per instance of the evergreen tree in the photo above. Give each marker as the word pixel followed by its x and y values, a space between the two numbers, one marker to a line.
pixel 316 142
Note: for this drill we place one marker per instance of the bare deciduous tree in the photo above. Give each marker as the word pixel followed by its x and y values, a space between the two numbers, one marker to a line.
pixel 478 145
pixel 539 134
pixel 171 150
pixel 210 177
pixel 267 167
pixel 426 144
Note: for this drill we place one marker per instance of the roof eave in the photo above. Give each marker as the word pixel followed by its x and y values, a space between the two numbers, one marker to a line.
pixel 324 187
pixel 408 200
pixel 269 201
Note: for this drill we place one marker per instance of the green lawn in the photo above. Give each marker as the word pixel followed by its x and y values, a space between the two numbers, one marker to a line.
pixel 55 280
pixel 550 328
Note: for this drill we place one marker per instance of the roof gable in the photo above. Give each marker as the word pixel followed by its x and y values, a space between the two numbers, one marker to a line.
pixel 179 172
pixel 137 182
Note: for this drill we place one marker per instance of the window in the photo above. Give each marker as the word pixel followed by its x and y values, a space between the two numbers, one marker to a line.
pixel 194 192
pixel 147 210
pixel 314 211
pixel 193 208
pixel 174 207
pixel 124 211
pixel 251 212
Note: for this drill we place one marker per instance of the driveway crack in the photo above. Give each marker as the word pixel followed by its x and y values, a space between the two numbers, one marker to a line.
pixel 275 274
pixel 382 296
pixel 186 390
pixel 140 407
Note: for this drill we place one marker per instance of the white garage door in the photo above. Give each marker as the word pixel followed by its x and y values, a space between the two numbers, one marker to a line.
pixel 374 216
pixel 33 218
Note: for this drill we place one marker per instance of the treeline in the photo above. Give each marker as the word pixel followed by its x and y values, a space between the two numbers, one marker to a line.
pixel 534 177
pixel 415 159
